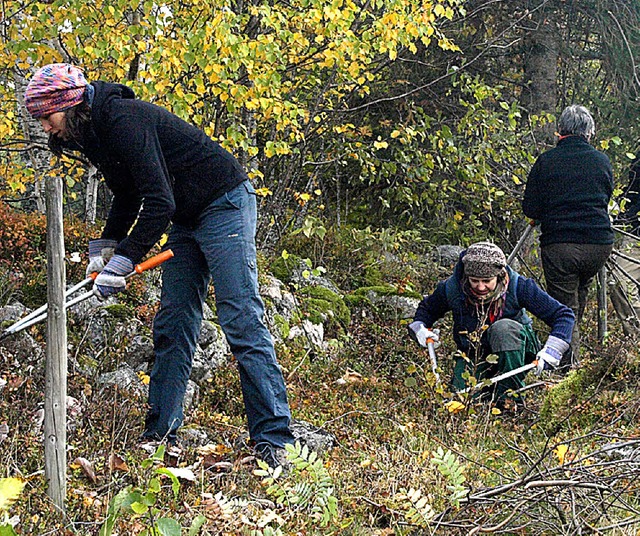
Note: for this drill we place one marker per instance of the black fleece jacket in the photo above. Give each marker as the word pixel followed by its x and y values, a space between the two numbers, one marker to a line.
pixel 568 192
pixel 159 167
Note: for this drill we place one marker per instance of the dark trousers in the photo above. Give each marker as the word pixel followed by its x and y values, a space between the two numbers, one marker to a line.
pixel 514 343
pixel 569 270
pixel 221 248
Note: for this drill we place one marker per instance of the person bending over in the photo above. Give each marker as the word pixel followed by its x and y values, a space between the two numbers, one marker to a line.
pixel 488 301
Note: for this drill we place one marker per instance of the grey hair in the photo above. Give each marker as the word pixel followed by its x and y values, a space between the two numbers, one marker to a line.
pixel 575 120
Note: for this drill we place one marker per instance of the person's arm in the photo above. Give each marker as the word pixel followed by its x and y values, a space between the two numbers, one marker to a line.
pixel 557 316
pixel 124 210
pixel 430 309
pixel 532 202
pixel 136 143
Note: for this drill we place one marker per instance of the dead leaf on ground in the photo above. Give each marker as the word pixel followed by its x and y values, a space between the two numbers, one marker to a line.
pixel 183 473
pixel 116 463
pixel 350 376
pixel 454 406
pixel 87 468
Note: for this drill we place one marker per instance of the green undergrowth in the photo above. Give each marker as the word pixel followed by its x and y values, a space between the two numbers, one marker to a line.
pixel 405 461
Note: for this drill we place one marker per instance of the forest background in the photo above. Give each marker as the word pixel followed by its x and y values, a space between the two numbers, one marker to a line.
pixel 369 128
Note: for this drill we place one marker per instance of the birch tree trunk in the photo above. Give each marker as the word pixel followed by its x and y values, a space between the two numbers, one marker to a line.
pixel 33 133
pixel 91 203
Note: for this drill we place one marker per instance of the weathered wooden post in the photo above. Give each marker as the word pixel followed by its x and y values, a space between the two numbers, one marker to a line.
pixel 602 304
pixel 55 397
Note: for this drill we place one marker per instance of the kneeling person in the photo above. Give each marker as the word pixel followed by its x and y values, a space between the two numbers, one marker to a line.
pixel 488 300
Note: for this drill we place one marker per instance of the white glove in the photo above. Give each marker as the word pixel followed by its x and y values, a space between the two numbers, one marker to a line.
pixel 113 278
pixel 420 333
pixel 100 252
pixel 551 354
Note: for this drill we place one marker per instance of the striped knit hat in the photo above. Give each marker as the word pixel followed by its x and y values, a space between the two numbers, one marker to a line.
pixel 54 88
pixel 483 260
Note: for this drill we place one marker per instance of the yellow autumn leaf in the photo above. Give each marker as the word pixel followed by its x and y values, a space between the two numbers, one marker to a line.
pixel 380 144
pixel 495 411
pixel 10 490
pixel 454 406
pixel 263 192
pixel 561 451
pixel 144 378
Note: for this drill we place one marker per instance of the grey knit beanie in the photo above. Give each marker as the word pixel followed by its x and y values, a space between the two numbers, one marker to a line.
pixel 483 260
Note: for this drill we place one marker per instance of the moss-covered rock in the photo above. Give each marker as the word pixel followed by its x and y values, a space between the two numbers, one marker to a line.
pixel 323 306
pixel 385 290
pixel 284 269
pixel 119 310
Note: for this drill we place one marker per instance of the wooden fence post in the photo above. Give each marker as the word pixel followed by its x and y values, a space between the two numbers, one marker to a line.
pixel 55 397
pixel 602 304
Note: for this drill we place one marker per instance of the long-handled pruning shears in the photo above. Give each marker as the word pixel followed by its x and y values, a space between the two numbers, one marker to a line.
pixel 527 231
pixel 41 313
pixel 434 361
pixel 500 377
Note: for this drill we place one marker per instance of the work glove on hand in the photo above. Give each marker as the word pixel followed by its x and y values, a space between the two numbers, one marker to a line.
pixel 100 252
pixel 420 333
pixel 112 278
pixel 551 354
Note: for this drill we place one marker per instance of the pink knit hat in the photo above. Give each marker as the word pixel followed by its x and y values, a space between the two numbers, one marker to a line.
pixel 54 88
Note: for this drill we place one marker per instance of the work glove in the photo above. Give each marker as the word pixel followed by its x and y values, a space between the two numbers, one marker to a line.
pixel 112 278
pixel 420 333
pixel 100 251
pixel 551 354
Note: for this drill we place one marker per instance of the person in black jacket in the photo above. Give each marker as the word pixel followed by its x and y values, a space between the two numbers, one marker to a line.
pixel 164 171
pixel 568 192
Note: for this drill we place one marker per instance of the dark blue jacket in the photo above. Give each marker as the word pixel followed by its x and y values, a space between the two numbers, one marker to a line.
pixel 568 192
pixel 159 167
pixel 522 294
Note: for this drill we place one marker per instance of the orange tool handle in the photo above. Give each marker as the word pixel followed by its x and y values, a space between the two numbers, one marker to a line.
pixel 430 340
pixel 153 261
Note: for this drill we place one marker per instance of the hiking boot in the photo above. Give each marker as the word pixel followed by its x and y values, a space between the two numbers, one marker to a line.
pixel 272 455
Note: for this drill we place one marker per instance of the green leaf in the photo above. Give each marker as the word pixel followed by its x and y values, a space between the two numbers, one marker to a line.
pixel 139 508
pixel 169 527
pixel 196 525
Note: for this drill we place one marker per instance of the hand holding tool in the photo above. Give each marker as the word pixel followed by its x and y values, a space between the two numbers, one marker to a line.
pixel 41 313
pixel 100 253
pixel 421 333
pixel 551 354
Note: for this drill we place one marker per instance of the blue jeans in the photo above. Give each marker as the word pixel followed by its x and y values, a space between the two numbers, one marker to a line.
pixel 220 247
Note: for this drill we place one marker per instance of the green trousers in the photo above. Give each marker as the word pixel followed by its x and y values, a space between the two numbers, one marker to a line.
pixel 514 344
